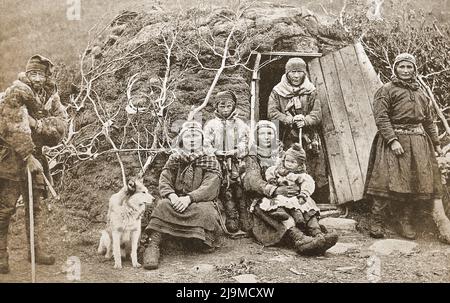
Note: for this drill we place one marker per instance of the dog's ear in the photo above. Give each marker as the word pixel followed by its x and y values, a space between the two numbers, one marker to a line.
pixel 131 187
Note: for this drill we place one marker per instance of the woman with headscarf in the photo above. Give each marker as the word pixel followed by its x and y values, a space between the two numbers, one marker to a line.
pixel 294 103
pixel 189 185
pixel 269 227
pixel 402 167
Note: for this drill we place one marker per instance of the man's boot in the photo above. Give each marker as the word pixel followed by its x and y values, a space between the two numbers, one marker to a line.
pixel 406 229
pixel 4 265
pixel 41 257
pixel 152 253
pixel 376 221
pixel 231 213
pixel 303 244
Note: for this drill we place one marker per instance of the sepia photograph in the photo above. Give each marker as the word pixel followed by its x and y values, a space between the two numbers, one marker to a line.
pixel 233 141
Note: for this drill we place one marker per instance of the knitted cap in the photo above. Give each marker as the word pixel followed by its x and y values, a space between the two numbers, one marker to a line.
pixel 405 57
pixel 265 124
pixel 225 96
pixel 295 64
pixel 187 126
pixel 39 63
pixel 192 126
pixel 297 152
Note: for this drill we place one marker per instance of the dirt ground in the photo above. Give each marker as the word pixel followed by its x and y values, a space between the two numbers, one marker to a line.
pixel 429 263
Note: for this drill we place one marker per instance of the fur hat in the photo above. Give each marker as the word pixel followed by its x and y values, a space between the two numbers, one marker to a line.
pixel 297 152
pixel 405 57
pixel 295 64
pixel 39 63
pixel 225 96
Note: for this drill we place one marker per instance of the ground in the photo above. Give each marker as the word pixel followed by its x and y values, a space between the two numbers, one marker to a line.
pixel 428 263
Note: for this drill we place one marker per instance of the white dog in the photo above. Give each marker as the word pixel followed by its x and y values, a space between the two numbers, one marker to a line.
pixel 123 231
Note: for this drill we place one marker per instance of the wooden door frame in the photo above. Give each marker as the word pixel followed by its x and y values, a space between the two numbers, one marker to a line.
pixel 254 101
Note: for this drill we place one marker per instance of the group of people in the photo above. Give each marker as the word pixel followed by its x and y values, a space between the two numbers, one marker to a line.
pixel 263 183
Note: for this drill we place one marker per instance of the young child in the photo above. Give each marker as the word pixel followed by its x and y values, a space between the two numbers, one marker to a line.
pixel 227 137
pixel 291 170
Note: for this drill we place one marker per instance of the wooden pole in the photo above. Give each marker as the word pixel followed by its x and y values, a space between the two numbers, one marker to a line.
pixel 435 104
pixel 30 208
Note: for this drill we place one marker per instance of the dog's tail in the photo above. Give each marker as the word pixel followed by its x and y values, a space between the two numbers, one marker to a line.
pixel 104 243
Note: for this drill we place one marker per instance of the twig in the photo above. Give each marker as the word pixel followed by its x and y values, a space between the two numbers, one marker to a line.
pixel 435 104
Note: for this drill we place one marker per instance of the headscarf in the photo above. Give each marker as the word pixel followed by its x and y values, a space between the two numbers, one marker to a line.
pixel 191 160
pixel 413 84
pixel 267 156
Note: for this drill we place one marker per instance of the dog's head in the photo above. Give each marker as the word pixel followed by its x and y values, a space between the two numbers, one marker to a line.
pixel 139 196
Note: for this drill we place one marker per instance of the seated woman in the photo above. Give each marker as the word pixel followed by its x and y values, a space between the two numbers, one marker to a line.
pixel 189 185
pixel 266 229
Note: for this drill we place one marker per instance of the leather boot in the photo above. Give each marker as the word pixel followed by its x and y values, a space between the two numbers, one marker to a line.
pixel 406 229
pixel 41 257
pixel 4 265
pixel 298 217
pixel 313 227
pixel 376 221
pixel 279 214
pixel 331 238
pixel 245 220
pixel 152 253
pixel 303 244
pixel 231 212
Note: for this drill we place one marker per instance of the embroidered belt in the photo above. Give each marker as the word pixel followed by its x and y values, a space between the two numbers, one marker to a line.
pixel 409 129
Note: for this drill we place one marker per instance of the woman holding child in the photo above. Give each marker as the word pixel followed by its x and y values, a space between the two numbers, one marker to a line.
pixel 274 217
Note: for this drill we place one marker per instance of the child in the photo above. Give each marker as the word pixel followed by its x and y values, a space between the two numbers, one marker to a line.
pixel 291 170
pixel 227 137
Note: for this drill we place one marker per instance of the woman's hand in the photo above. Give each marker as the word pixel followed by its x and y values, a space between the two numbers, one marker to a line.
pixel 287 190
pixel 182 203
pixel 173 198
pixel 299 120
pixel 438 151
pixel 397 148
pixel 34 165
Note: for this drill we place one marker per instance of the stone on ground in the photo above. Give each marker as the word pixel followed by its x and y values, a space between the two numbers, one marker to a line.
pixel 339 223
pixel 342 248
pixel 203 268
pixel 389 246
pixel 247 278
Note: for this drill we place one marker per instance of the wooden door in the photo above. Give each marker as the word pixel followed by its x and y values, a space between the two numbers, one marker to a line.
pixel 346 83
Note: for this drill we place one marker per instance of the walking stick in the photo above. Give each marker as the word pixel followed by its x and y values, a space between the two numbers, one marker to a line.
pixel 300 136
pixel 30 208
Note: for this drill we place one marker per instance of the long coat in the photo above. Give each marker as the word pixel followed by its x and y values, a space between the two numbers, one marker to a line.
pixel 17 138
pixel 310 107
pixel 403 113
pixel 201 219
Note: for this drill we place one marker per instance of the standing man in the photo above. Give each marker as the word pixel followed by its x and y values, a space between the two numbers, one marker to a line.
pixel 293 102
pixel 31 116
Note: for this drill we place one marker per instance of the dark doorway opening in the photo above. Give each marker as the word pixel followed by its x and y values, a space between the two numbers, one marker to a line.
pixel 271 70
